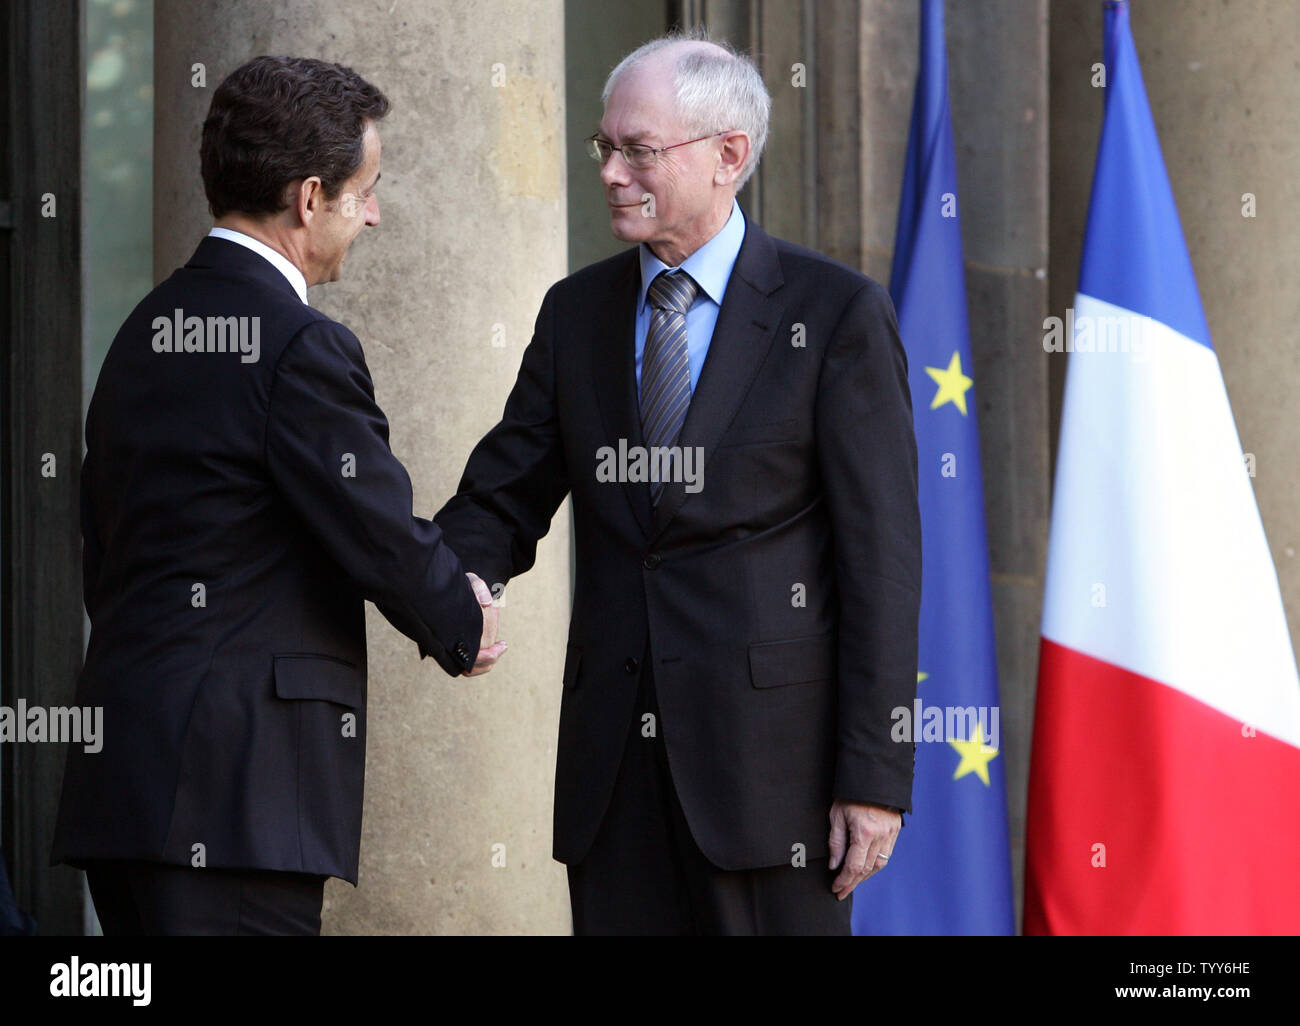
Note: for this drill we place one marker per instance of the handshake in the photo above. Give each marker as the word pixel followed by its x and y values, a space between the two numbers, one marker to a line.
pixel 489 649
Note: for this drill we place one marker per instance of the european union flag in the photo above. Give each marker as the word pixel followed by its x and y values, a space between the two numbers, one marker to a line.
pixel 951 868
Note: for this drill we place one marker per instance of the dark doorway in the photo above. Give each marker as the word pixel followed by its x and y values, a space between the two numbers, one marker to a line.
pixel 41 617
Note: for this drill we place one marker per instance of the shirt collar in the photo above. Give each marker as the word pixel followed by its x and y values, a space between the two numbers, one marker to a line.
pixel 278 260
pixel 710 265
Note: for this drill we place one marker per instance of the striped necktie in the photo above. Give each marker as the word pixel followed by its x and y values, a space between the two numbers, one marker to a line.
pixel 665 366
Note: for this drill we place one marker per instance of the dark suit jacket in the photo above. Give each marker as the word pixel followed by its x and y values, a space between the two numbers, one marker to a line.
pixel 235 716
pixel 770 706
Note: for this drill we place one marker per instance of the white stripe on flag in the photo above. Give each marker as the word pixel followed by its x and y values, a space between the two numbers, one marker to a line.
pixel 1159 562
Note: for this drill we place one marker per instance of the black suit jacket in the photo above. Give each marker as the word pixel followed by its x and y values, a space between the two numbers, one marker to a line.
pixel 779 603
pixel 235 515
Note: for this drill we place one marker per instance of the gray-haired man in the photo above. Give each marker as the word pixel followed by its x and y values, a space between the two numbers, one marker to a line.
pixel 731 416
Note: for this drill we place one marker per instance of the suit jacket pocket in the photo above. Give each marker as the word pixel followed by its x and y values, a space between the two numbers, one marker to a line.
pixel 319 677
pixel 766 433
pixel 797 661
pixel 327 706
pixel 572 660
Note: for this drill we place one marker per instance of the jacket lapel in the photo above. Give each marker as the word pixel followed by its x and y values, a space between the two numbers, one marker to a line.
pixel 743 335
pixel 614 359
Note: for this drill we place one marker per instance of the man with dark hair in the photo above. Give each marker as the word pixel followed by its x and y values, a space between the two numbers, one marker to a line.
pixel 274 119
pixel 239 503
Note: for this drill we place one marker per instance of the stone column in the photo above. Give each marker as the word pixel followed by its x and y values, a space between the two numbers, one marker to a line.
pixel 444 290
pixel 998 79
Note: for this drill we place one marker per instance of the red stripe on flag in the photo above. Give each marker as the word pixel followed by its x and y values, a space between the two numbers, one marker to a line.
pixel 1199 823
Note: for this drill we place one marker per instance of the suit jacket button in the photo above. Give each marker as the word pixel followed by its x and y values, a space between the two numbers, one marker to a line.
pixel 651 560
pixel 630 665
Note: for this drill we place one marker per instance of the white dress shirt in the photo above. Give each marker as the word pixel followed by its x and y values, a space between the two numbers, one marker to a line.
pixel 278 260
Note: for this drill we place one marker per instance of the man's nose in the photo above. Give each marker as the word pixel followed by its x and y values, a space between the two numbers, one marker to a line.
pixel 372 209
pixel 615 170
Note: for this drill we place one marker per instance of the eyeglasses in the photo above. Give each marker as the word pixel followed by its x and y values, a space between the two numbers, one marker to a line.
pixel 637 155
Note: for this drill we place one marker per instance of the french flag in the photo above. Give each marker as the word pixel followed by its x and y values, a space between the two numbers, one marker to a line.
pixel 1164 793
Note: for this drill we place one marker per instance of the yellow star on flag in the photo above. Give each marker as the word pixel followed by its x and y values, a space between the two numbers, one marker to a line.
pixel 921 676
pixel 975 757
pixel 953 384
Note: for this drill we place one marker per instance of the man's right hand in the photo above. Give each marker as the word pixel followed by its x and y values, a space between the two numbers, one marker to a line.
pixel 489 650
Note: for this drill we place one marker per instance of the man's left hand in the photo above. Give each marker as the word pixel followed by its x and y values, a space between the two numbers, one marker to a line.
pixel 867 831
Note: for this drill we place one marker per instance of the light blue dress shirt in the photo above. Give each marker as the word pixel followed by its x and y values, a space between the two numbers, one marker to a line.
pixel 710 266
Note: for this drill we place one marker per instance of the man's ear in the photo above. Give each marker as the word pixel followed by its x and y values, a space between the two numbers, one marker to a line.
pixel 731 158
pixel 307 198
